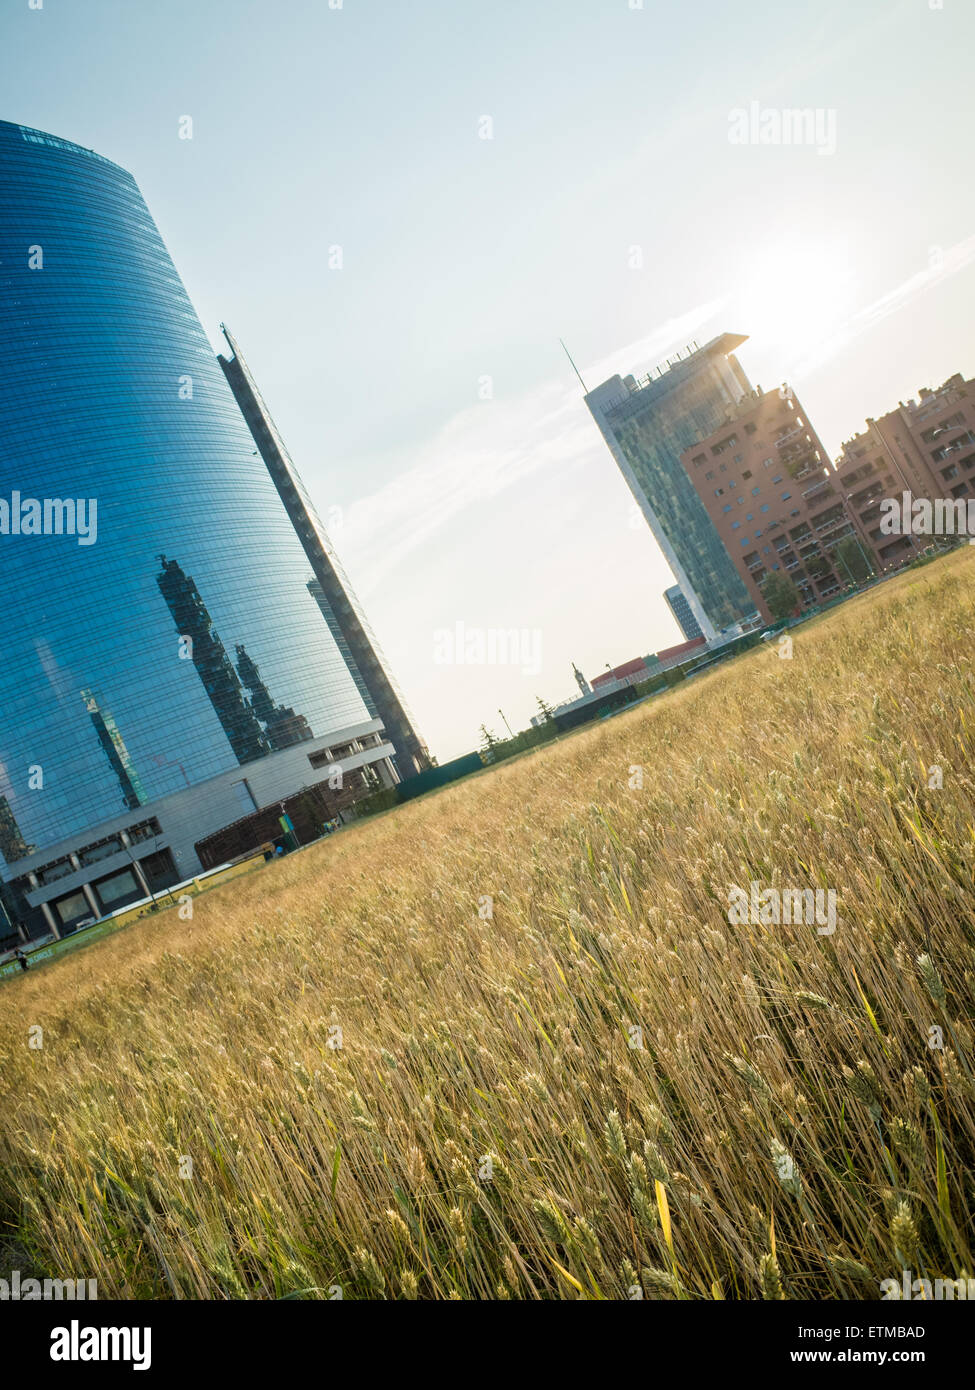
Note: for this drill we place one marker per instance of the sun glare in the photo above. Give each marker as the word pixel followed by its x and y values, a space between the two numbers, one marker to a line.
pixel 793 295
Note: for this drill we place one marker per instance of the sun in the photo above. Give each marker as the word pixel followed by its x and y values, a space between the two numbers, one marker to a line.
pixel 793 295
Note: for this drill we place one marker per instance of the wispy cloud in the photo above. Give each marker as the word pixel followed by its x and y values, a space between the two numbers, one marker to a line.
pixel 649 351
pixel 942 264
pixel 487 448
pixel 479 453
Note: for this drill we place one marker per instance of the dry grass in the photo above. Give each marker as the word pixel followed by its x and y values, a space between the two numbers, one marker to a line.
pixel 466 1038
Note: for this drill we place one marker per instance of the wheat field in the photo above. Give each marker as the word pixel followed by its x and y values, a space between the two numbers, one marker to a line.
pixel 503 1042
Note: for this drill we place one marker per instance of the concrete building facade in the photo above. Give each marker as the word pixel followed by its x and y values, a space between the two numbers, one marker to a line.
pixel 330 586
pixel 85 877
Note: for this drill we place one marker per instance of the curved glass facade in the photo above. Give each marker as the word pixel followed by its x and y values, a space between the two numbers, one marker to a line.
pixel 167 633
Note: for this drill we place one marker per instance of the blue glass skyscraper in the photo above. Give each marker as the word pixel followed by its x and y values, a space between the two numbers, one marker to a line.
pixel 676 601
pixel 158 628
pixel 647 425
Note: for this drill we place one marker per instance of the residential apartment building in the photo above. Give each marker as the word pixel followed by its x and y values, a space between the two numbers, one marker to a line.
pixel 925 447
pixel 774 497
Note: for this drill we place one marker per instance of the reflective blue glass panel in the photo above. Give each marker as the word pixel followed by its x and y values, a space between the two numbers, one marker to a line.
pixel 184 640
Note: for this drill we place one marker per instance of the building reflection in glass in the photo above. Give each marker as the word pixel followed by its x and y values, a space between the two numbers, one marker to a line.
pixel 284 728
pixel 213 665
pixel 115 750
pixel 12 843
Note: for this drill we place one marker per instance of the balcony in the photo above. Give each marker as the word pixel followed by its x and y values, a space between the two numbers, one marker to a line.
pixel 803 466
pixel 967 438
pixel 798 432
pixel 860 499
pixel 829 527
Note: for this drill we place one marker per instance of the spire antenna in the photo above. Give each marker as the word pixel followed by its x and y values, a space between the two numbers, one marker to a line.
pixel 574 367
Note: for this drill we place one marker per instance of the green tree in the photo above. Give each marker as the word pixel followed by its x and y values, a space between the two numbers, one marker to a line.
pixel 544 709
pixel 852 562
pixel 781 595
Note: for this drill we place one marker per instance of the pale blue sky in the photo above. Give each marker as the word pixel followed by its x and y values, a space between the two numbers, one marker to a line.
pixel 464 258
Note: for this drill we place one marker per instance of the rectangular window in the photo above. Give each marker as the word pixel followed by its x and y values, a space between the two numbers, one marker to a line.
pixel 145 830
pixel 728 443
pixel 92 853
pixel 326 756
pixel 71 909
pixel 245 797
pixel 159 869
pixel 51 872
pixel 113 889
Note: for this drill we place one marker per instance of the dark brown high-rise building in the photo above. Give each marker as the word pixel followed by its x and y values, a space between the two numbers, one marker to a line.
pixel 330 587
